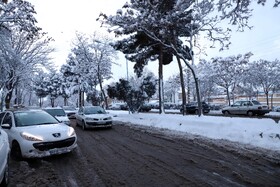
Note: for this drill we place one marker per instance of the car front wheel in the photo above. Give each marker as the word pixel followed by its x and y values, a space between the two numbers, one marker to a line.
pixel 16 151
pixel 84 125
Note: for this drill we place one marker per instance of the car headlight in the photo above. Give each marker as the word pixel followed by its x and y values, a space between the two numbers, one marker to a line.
pixel 30 137
pixel 71 132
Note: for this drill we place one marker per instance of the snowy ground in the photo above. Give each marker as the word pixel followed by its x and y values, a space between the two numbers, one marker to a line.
pixel 264 133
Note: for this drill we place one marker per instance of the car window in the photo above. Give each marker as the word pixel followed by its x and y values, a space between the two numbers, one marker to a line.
pixel 34 118
pixel 1 117
pixel 7 119
pixel 256 102
pixel 237 103
pixel 94 110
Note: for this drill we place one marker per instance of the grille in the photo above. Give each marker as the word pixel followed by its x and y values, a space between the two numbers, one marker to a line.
pixel 44 146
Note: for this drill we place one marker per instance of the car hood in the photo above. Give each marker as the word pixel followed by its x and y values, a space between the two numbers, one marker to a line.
pixel 49 131
pixel 97 116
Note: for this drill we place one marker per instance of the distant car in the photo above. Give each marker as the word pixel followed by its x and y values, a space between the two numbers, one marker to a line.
pixel 59 114
pixel 116 106
pixel 192 108
pixel 146 107
pixel 276 109
pixel 70 111
pixel 93 117
pixel 4 158
pixel 35 134
pixel 248 108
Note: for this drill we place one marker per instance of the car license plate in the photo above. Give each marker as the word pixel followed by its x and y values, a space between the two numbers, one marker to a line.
pixel 57 151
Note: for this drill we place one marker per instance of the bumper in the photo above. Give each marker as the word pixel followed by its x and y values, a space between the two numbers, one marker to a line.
pixel 44 149
pixel 90 124
pixel 261 112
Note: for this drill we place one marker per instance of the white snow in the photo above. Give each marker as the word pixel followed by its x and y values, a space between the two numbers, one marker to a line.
pixel 263 133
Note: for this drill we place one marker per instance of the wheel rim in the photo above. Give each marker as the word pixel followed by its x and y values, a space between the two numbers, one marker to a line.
pixel 250 113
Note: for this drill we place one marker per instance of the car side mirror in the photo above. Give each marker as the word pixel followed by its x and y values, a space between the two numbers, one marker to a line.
pixel 6 126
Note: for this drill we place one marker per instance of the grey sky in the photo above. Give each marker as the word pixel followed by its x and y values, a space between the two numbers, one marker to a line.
pixel 61 19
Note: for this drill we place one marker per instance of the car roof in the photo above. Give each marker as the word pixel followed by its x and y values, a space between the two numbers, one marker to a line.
pixel 57 107
pixel 17 110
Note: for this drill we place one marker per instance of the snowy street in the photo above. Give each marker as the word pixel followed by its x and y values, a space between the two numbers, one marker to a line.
pixel 141 155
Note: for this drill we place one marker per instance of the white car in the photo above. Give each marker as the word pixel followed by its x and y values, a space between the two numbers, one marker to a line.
pixel 4 158
pixel 58 113
pixel 244 107
pixel 35 134
pixel 70 111
pixel 93 117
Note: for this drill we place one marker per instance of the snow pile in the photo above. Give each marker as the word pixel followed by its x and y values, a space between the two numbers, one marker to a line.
pixel 264 133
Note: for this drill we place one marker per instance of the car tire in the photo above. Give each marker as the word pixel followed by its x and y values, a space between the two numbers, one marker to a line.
pixel 84 126
pixel 226 113
pixel 16 151
pixel 250 113
pixel 5 180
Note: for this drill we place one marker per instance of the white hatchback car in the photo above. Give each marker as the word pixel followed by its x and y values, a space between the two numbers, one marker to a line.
pixel 59 113
pixel 4 158
pixel 93 117
pixel 35 133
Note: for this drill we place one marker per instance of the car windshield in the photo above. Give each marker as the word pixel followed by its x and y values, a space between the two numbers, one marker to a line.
pixel 94 110
pixel 55 111
pixel 31 118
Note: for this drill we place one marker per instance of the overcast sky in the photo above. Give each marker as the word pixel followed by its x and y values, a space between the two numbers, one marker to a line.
pixel 61 19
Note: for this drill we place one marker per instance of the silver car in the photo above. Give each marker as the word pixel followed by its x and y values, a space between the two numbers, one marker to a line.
pixel 4 158
pixel 93 117
pixel 249 108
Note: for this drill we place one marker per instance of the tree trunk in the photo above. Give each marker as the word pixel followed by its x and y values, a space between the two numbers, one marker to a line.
pixel 267 99
pixel 188 85
pixel 182 86
pixel 102 91
pixel 160 85
pixel 271 101
pixel 228 97
pixel 196 86
pixel 52 102
pixel 65 101
pixel 8 99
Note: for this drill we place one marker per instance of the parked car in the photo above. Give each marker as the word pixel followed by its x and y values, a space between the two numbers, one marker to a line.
pixel 59 114
pixel 93 117
pixel 276 109
pixel 249 108
pixel 192 108
pixel 4 158
pixel 70 111
pixel 146 107
pixel 35 134
pixel 115 106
